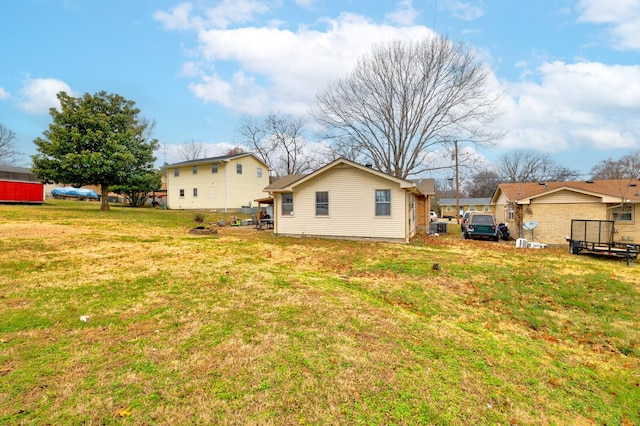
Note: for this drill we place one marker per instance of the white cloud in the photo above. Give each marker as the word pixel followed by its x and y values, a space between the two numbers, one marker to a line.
pixel 226 13
pixel 262 69
pixel 622 15
pixel 235 12
pixel 404 15
pixel 177 19
pixel 39 94
pixel 465 10
pixel 4 94
pixel 589 105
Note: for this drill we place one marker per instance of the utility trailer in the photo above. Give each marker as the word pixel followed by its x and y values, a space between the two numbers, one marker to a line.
pixel 596 237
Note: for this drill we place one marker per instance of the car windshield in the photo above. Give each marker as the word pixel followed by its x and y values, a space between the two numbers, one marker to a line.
pixel 482 219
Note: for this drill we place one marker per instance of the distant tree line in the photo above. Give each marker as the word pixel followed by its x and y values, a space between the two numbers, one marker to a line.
pixel 531 166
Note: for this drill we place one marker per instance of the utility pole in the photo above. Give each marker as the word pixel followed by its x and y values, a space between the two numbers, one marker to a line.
pixel 455 150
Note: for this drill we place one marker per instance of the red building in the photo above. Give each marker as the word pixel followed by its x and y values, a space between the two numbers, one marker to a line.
pixel 19 185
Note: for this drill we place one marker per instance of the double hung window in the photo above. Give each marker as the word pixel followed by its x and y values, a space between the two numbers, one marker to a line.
pixel 287 204
pixel 383 202
pixel 322 203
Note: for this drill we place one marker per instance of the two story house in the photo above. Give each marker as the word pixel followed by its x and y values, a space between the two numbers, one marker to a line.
pixel 226 183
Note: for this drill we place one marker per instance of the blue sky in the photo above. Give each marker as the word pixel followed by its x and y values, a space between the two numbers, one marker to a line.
pixel 569 68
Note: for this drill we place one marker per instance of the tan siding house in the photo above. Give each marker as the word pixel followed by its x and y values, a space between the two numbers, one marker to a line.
pixel 346 200
pixel 554 204
pixel 224 183
pixel 448 206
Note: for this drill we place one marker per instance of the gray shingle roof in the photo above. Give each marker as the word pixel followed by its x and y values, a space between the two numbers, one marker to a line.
pixel 465 201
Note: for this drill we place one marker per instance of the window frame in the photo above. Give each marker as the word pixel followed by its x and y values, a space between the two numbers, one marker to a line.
pixel 287 206
pixel 322 205
pixel 259 172
pixel 511 212
pixel 214 168
pixel 181 193
pixel 194 170
pixel 381 203
pixel 195 192
pixel 239 168
pixel 622 210
pixel 176 172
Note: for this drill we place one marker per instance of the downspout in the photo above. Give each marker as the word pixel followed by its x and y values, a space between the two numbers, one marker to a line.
pixel 226 186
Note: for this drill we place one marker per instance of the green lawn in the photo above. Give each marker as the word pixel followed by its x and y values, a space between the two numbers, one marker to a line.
pixel 246 328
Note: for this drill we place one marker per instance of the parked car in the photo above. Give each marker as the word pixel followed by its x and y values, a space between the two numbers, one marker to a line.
pixel 433 217
pixel 480 225
pixel 465 218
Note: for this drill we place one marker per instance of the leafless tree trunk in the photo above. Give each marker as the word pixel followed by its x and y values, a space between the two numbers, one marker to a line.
pixel 404 99
pixel 279 141
pixel 531 166
pixel 193 150
pixel 8 153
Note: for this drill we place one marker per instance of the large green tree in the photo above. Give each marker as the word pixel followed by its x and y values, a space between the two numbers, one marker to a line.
pixel 138 187
pixel 94 140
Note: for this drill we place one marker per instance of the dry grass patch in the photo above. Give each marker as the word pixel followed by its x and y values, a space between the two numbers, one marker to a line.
pixel 245 328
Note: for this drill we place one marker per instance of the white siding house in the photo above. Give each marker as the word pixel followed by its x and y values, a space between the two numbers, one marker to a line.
pixel 345 200
pixel 224 183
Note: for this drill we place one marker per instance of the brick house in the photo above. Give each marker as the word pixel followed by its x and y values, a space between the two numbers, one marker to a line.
pixel 553 204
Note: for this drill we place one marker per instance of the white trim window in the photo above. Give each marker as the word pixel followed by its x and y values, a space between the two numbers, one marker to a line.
pixel 182 193
pixel 239 169
pixel 195 192
pixel 214 168
pixel 194 170
pixel 322 203
pixel 383 202
pixel 259 172
pixel 176 172
pixel 287 204
pixel 623 213
pixel 511 212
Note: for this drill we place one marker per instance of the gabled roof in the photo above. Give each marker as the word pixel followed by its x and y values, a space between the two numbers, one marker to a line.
pixel 21 174
pixel 289 182
pixel 426 186
pixel 214 160
pixel 465 201
pixel 283 182
pixel 609 191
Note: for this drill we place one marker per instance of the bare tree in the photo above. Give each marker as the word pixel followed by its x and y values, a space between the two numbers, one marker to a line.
pixel 406 98
pixel 531 166
pixel 236 150
pixel 483 184
pixel 279 141
pixel 628 166
pixel 193 150
pixel 9 155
